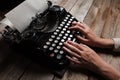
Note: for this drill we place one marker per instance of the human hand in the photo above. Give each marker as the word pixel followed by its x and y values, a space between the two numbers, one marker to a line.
pixel 82 54
pixel 91 38
pixel 85 56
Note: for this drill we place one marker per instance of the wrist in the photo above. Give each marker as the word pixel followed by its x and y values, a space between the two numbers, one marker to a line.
pixel 106 43
pixel 106 70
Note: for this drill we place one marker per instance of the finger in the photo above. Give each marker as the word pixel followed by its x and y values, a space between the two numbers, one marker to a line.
pixel 76 45
pixel 71 53
pixel 72 47
pixel 78 28
pixel 73 60
pixel 83 40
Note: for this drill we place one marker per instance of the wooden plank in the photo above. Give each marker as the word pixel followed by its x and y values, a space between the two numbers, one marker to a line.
pixel 12 67
pixel 104 19
pixel 80 9
pixel 36 72
pixel 112 29
pixel 96 16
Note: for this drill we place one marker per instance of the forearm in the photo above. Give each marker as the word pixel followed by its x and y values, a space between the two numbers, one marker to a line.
pixel 106 43
pixel 107 70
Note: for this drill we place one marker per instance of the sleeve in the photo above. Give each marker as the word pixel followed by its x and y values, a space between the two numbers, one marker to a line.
pixel 116 44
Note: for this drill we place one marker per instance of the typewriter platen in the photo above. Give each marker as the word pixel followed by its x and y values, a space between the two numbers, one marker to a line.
pixel 44 37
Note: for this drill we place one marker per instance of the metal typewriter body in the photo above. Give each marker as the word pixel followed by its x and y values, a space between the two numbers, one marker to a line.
pixel 44 38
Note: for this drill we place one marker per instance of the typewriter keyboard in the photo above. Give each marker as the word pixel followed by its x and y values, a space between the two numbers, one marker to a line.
pixel 60 35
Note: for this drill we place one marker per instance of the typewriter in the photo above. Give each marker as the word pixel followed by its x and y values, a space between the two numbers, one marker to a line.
pixel 43 39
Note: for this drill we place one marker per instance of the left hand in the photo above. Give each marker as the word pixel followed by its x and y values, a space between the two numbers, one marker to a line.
pixel 82 55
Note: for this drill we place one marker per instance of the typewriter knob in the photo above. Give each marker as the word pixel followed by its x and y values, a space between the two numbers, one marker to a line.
pixel 28 35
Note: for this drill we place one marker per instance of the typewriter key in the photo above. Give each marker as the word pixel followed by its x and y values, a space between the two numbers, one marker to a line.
pixel 65 20
pixel 68 15
pixel 71 35
pixel 52 55
pixel 51 48
pixel 53 44
pixel 53 36
pixel 59 56
pixel 69 38
pixel 45 46
pixel 60 35
pixel 48 43
pixel 57 30
pixel 66 26
pixel 64 37
pixel 58 47
pixel 55 51
pixel 71 19
pixel 55 33
pixel 56 41
pixel 66 34
pixel 61 52
pixel 62 32
pixel 68 31
pixel 50 39
pixel 62 40
pixel 60 43
pixel 58 38
pixel 61 25
pixel 64 29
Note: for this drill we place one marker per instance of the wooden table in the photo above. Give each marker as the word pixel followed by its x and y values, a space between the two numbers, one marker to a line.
pixel 103 16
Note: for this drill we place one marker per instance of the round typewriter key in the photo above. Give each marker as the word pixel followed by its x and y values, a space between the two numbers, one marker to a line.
pixel 55 51
pixel 66 34
pixel 60 35
pixel 51 48
pixel 55 33
pixel 68 15
pixel 62 32
pixel 50 39
pixel 71 19
pixel 68 31
pixel 61 52
pixel 52 55
pixel 59 56
pixel 53 36
pixel 45 46
pixel 71 35
pixel 57 30
pixel 65 20
pixel 60 43
pixel 61 25
pixel 58 38
pixel 67 24
pixel 69 38
pixel 64 29
pixel 62 40
pixel 64 37
pixel 53 45
pixel 56 41
pixel 58 47
pixel 48 43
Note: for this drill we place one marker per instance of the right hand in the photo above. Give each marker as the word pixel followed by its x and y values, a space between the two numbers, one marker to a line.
pixel 91 38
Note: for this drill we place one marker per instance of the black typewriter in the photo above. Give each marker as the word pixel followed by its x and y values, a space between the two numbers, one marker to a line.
pixel 44 37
